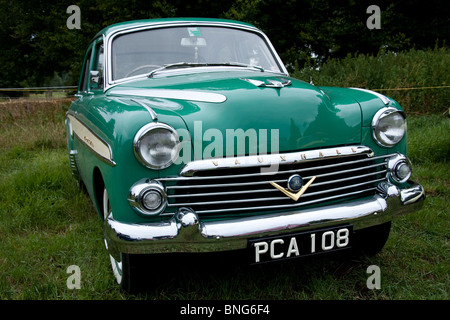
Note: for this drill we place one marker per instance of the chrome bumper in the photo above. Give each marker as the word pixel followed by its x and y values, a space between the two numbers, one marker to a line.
pixel 185 232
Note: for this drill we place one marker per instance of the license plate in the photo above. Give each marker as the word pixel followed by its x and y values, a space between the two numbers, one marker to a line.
pixel 300 244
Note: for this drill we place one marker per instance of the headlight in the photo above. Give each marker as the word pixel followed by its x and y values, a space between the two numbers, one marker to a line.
pixel 402 171
pixel 389 126
pixel 148 197
pixel 400 168
pixel 157 145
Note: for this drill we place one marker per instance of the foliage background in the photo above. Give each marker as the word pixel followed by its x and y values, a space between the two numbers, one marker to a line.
pixel 418 79
pixel 37 49
pixel 43 215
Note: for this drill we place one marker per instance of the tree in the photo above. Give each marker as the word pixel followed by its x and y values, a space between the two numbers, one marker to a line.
pixel 37 47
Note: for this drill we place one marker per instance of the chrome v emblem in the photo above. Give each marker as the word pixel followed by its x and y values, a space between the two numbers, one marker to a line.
pixel 292 195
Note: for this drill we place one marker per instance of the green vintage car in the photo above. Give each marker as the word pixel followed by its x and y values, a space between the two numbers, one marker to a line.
pixel 190 136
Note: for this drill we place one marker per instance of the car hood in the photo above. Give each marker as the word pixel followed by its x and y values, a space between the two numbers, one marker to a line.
pixel 236 113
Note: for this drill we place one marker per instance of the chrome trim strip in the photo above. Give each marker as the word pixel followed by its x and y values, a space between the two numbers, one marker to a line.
pixel 247 175
pixel 380 114
pixel 271 159
pixel 358 213
pixel 288 206
pixel 378 95
pixel 172 94
pixel 173 196
pixel 185 232
pixel 188 204
pixel 341 176
pixel 138 190
pixel 91 140
pixel 413 194
pixel 73 155
pixel 148 108
pixel 192 195
pixel 392 164
pixel 265 182
pixel 269 83
pixel 259 175
pixel 353 170
pixel 224 184
pixel 145 130
pixel 269 190
pixel 384 112
pixel 351 178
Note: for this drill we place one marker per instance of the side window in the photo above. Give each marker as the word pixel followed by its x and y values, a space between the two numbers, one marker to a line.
pixel 99 65
pixel 85 77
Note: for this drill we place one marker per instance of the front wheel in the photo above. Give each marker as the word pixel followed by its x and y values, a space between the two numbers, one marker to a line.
pixel 126 270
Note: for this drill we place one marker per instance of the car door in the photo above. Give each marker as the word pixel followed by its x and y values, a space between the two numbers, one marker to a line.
pixel 91 80
pixel 82 113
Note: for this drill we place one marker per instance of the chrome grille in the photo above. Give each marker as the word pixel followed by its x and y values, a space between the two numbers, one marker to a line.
pixel 236 185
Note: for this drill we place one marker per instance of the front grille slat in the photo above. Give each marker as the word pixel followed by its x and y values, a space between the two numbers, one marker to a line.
pixel 248 175
pixel 192 195
pixel 210 194
pixel 350 178
pixel 311 194
pixel 213 192
pixel 278 207
pixel 223 185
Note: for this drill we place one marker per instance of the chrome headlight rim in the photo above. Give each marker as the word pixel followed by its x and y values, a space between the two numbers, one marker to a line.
pixel 138 192
pixel 378 117
pixel 394 164
pixel 145 130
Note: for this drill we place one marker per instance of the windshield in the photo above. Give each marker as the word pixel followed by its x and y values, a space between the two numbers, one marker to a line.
pixel 143 51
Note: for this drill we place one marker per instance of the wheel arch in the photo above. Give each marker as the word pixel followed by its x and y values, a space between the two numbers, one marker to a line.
pixel 98 186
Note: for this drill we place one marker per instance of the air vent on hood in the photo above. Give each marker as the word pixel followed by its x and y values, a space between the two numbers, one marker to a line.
pixel 270 83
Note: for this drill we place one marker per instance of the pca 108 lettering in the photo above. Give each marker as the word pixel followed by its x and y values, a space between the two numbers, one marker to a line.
pixel 246 309
pixel 301 244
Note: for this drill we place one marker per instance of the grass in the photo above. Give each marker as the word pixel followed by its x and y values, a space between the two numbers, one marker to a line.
pixel 47 225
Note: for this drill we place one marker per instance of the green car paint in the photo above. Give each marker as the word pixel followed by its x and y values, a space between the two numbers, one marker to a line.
pixel 219 112
pixel 307 117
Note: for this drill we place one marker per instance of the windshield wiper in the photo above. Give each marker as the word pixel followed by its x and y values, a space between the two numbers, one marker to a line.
pixel 237 64
pixel 195 64
pixel 176 65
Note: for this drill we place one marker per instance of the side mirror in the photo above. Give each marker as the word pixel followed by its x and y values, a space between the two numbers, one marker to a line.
pixel 94 76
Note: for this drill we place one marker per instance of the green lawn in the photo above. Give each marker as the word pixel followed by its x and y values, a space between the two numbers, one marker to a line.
pixel 47 225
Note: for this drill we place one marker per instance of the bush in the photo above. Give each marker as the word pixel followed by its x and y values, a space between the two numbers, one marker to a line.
pixel 390 73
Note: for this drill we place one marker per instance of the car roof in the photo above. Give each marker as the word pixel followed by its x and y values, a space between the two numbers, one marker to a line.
pixel 167 21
